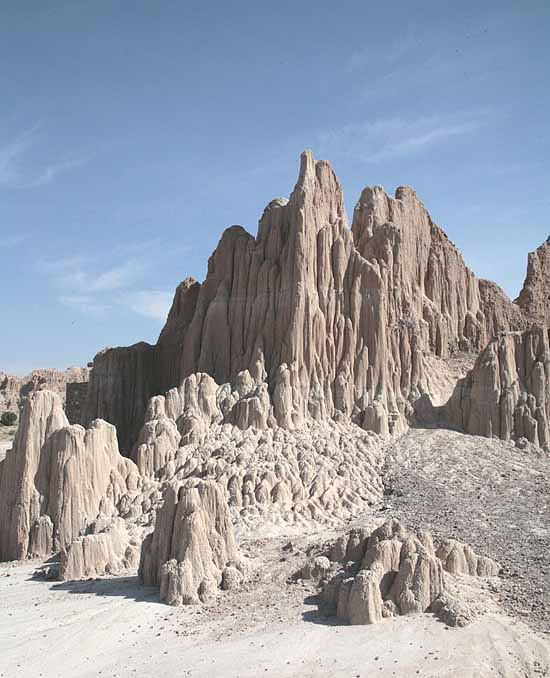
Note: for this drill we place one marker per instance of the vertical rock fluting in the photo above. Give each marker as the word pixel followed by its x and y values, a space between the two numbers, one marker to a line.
pixel 338 318
pixel 534 298
pixel 396 572
pixel 24 467
pixel 192 543
pixel 57 479
pixel 507 393
pixel 426 282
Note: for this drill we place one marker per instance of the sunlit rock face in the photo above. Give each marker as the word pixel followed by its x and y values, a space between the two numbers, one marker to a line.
pixel 507 393
pixel 337 320
pixel 57 479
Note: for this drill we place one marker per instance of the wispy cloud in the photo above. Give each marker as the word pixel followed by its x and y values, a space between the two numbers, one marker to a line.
pixel 12 240
pixel 374 141
pixel 150 303
pixel 11 153
pixel 50 172
pixel 84 303
pixel 14 153
pixel 78 275
pixel 84 285
pixel 371 55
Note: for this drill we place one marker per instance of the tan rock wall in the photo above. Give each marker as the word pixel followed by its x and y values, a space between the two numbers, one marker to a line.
pixel 507 393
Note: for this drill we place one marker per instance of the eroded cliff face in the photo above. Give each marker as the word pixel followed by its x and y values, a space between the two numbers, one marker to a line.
pixel 339 319
pixel 426 283
pixel 507 393
pixel 534 298
pixel 123 379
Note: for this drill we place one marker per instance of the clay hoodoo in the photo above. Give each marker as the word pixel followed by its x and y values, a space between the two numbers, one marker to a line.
pixel 391 571
pixel 108 548
pixel 57 479
pixel 192 545
pixel 338 318
pixel 507 393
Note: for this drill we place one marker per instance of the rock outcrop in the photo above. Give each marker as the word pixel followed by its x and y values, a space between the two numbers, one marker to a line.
pixel 192 544
pixel 327 471
pixel 110 550
pixel 397 573
pixel 339 319
pixel 459 558
pixel 392 572
pixel 58 479
pixel 15 390
pixel 507 393
pixel 534 298
pixel 367 577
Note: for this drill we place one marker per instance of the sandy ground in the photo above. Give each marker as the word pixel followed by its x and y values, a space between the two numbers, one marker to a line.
pixel 113 627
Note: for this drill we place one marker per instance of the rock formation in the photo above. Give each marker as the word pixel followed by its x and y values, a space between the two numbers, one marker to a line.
pixel 391 572
pixel 507 393
pixel 397 573
pixel 14 390
pixel 328 471
pixel 192 544
pixel 458 558
pixel 58 478
pixel 124 379
pixel 110 550
pixel 339 319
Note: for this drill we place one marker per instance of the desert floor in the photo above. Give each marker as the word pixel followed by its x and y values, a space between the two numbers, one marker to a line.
pixel 113 627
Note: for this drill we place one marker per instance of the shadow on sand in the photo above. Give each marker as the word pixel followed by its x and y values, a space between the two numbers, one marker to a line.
pixel 121 587
pixel 317 616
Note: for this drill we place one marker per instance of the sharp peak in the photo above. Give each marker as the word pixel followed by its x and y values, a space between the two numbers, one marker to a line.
pixel 401 192
pixel 308 165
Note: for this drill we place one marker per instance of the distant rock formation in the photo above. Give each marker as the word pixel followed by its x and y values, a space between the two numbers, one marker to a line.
pixel 14 390
pixel 192 544
pixel 507 393
pixel 338 318
pixel 58 479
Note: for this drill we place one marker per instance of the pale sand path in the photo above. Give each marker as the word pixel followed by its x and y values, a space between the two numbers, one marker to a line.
pixel 113 627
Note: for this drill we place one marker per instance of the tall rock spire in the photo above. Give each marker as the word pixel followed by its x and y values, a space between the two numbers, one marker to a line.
pixel 339 319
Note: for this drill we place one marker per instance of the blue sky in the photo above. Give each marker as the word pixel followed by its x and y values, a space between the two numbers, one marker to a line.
pixel 133 132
